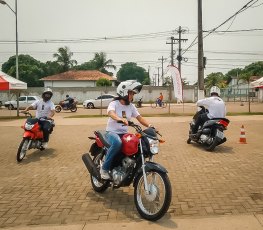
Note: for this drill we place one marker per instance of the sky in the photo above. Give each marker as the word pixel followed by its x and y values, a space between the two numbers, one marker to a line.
pixel 134 31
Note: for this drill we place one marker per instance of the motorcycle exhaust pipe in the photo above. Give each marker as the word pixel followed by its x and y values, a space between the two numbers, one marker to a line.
pixel 90 166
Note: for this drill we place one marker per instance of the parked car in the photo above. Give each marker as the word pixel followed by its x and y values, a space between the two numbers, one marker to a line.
pixel 103 100
pixel 24 101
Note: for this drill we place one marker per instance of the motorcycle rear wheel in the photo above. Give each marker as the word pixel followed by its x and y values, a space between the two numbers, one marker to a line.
pixel 153 206
pixel 212 146
pixel 21 152
pixel 58 109
pixel 98 186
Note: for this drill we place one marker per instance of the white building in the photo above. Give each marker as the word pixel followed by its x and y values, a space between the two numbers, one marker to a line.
pixel 76 78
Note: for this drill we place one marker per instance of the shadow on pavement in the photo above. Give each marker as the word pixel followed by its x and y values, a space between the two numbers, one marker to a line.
pixel 37 155
pixel 122 201
pixel 218 149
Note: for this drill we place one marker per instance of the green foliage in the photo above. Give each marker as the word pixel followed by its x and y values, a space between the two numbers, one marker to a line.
pixel 215 79
pixel 233 73
pixel 51 68
pixel 254 69
pixel 99 62
pixel 103 82
pixel 30 70
pixel 130 71
pixel 63 57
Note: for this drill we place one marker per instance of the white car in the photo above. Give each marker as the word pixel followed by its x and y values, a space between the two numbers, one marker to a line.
pixel 103 100
pixel 24 101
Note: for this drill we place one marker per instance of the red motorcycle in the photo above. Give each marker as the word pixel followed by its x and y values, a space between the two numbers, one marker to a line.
pixel 152 188
pixel 32 137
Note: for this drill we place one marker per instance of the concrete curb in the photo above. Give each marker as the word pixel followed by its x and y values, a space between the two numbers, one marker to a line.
pixel 233 222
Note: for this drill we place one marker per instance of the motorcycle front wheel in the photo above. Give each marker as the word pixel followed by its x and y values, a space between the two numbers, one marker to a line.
pixel 98 186
pixel 21 152
pixel 154 205
pixel 58 109
pixel 74 109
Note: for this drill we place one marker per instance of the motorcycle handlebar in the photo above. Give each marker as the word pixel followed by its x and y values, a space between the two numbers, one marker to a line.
pixel 26 113
pixel 138 127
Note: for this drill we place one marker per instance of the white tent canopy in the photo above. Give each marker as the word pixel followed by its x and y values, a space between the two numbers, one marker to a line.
pixel 257 83
pixel 9 83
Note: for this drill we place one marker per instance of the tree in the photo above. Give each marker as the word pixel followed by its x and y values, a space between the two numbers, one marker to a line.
pixel 234 73
pixel 103 82
pixel 130 71
pixel 215 79
pixel 30 70
pixel 51 68
pixel 101 63
pixel 254 69
pixel 63 57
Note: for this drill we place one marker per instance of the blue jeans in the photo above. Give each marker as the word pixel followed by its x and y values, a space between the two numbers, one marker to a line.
pixel 115 147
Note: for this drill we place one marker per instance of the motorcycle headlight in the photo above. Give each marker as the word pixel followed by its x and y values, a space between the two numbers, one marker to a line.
pixel 28 126
pixel 154 146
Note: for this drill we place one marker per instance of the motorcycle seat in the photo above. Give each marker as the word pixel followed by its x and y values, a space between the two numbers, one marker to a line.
pixel 101 135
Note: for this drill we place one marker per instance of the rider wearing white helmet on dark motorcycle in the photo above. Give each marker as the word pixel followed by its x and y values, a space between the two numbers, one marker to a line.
pixel 120 109
pixel 215 106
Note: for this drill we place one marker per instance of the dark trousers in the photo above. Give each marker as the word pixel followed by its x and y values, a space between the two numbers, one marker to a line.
pixel 45 127
pixel 200 120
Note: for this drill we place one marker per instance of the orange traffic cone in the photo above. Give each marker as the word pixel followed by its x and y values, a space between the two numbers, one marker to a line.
pixel 242 139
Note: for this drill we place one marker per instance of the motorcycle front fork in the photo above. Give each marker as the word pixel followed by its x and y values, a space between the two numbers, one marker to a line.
pixel 146 184
pixel 29 144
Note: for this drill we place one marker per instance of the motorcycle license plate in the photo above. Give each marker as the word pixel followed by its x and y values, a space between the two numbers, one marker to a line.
pixel 220 134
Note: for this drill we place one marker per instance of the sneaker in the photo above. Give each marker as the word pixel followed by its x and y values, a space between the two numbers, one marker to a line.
pixel 104 174
pixel 44 145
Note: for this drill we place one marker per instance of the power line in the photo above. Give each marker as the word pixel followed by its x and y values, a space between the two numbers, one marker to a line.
pixel 245 7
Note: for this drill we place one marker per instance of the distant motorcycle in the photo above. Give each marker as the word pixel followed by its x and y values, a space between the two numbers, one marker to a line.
pixel 32 137
pixel 211 134
pixel 139 103
pixel 68 106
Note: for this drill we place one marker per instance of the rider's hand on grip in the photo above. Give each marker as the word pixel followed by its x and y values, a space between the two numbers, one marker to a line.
pixel 123 121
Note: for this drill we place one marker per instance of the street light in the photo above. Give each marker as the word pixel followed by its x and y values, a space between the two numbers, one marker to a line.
pixel 15 12
pixel 17 74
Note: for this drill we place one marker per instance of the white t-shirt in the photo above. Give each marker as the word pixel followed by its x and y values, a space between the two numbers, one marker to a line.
pixel 215 105
pixel 122 111
pixel 43 108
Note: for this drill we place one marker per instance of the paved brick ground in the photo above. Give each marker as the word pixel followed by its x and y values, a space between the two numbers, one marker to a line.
pixel 53 187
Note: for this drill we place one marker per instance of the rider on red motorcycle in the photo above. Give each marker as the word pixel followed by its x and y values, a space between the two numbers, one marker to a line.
pixel 45 108
pixel 120 109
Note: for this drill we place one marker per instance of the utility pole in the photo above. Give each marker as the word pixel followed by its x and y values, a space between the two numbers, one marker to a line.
pixel 155 78
pixel 179 56
pixel 149 74
pixel 162 59
pixel 200 53
pixel 158 77
pixel 172 49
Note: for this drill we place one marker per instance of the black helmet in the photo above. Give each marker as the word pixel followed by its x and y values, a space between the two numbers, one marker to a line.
pixel 67 95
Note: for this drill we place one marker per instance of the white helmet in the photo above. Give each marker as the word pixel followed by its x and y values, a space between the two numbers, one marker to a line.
pixel 129 85
pixel 47 94
pixel 125 87
pixel 215 90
